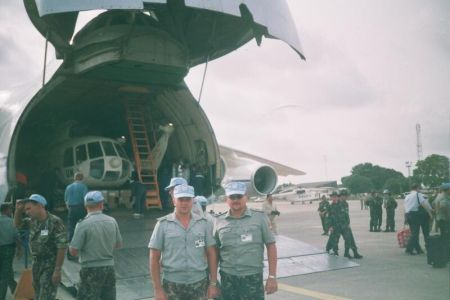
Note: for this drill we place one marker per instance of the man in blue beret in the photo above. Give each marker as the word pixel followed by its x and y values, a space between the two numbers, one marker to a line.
pixel 182 248
pixel 241 235
pixel 47 241
pixel 94 241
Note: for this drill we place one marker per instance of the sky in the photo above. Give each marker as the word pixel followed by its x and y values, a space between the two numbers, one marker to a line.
pixel 373 70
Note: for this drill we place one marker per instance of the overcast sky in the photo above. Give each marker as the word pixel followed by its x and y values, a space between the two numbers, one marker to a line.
pixel 374 69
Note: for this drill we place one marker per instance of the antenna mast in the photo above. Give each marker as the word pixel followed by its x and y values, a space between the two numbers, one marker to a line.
pixel 419 142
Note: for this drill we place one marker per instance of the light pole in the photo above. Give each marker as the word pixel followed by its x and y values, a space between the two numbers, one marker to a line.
pixel 408 165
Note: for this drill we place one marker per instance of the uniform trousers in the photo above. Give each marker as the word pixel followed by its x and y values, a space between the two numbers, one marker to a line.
pixel 76 213
pixel 390 219
pixel 250 287
pixel 97 283
pixel 6 268
pixel 181 291
pixel 42 271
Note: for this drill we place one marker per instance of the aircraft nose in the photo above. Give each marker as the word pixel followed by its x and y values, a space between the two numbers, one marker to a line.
pixel 115 162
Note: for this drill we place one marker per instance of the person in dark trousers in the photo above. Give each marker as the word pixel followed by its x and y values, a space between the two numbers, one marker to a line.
pixel 138 194
pixel 417 218
pixel 323 209
pixel 390 205
pixel 8 243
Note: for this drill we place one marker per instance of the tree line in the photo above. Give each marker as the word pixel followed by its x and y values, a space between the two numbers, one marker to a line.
pixel 366 177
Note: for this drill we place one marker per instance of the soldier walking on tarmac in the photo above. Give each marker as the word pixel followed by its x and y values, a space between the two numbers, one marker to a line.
pixel 390 205
pixel 343 221
pixel 241 234
pixel 323 209
pixel 48 244
pixel 94 241
pixel 182 248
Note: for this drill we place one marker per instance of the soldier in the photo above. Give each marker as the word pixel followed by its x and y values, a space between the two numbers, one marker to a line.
pixel 390 205
pixel 343 223
pixel 375 203
pixel 333 211
pixel 203 202
pixel 241 234
pixel 74 198
pixel 183 247
pixel 94 241
pixel 271 211
pixel 324 206
pixel 8 243
pixel 48 244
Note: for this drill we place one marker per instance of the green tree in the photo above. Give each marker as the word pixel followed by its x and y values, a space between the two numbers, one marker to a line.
pixel 396 185
pixel 432 171
pixel 377 175
pixel 357 184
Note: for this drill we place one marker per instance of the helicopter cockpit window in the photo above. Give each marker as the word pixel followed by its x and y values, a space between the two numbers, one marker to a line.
pixel 68 158
pixel 95 150
pixel 120 150
pixel 80 153
pixel 97 168
pixel 108 148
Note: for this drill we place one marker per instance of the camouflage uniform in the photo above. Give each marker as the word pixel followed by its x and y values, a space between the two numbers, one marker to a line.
pixel 98 283
pixel 194 291
pixel 45 238
pixel 324 206
pixel 391 205
pixel 242 287
pixel 333 240
pixel 376 208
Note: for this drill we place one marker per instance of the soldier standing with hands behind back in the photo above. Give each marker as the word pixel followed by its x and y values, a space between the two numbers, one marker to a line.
pixel 48 244
pixel 241 234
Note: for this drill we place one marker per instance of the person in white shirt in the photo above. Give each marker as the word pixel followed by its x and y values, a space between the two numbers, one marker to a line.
pixel 417 218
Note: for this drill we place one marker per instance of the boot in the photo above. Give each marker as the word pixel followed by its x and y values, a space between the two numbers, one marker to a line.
pixel 347 254
pixel 335 252
pixel 371 228
pixel 356 254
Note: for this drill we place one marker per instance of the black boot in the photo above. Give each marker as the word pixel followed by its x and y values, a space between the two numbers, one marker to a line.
pixel 335 252
pixel 356 254
pixel 347 254
pixel 371 228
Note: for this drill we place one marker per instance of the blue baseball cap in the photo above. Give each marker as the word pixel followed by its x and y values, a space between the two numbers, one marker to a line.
pixel 202 200
pixel 37 198
pixel 445 186
pixel 93 197
pixel 235 188
pixel 183 190
pixel 176 181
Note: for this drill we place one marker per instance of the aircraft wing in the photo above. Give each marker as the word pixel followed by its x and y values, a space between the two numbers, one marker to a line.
pixel 206 25
pixel 282 170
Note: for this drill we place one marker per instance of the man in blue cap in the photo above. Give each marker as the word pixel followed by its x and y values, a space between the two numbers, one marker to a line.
pixel 47 241
pixel 182 248
pixel 241 235
pixel 94 241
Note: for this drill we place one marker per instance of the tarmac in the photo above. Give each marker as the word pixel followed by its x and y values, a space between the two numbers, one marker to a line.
pixel 385 272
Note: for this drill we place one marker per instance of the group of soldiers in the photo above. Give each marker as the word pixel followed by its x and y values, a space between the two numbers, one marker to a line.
pixel 376 203
pixel 186 249
pixel 336 220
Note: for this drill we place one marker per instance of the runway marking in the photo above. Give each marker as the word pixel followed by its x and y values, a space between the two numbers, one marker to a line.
pixel 305 292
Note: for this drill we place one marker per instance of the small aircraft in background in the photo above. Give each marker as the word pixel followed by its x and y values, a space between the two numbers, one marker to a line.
pixel 303 195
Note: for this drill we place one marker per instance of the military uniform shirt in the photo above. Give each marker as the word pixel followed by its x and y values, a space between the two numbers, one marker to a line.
pixel 241 242
pixel 45 236
pixel 96 237
pixel 8 233
pixel 183 251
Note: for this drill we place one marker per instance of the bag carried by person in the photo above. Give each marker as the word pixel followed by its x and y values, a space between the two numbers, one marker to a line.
pixel 403 237
pixel 437 254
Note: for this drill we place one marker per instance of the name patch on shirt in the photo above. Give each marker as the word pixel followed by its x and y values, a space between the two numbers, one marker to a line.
pixel 44 232
pixel 199 243
pixel 246 237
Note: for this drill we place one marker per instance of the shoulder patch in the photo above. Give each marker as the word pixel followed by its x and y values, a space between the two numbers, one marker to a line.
pixel 219 214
